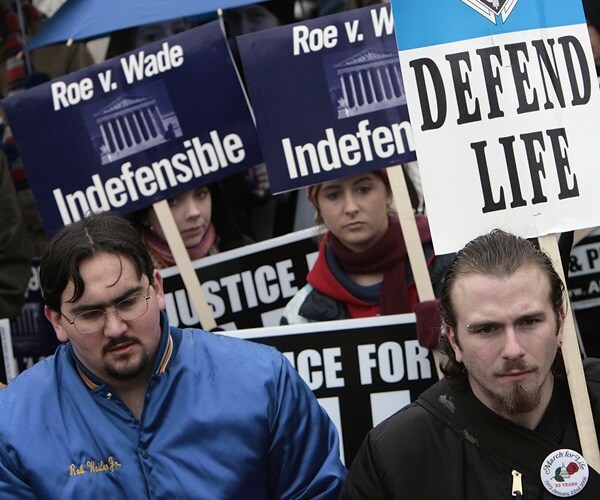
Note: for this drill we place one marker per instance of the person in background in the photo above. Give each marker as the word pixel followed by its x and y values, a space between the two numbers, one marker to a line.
pixel 246 190
pixel 203 220
pixel 581 282
pixel 356 4
pixel 261 214
pixel 503 409
pixel 310 9
pixel 132 38
pixel 54 60
pixel 362 268
pixel 31 215
pixel 193 210
pixel 15 248
pixel 130 407
pixel 259 16
pixel 591 9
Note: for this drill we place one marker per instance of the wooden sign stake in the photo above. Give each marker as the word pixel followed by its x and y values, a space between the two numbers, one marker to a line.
pixel 574 367
pixel 184 263
pixel 413 244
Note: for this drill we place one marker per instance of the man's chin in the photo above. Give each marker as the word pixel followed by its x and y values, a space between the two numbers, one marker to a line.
pixel 519 401
pixel 129 372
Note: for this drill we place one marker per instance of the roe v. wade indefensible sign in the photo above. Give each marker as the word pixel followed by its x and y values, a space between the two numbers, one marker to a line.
pixel 136 129
pixel 504 102
pixel 328 97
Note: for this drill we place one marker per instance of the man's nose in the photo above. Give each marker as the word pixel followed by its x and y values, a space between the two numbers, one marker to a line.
pixel 114 326
pixel 512 345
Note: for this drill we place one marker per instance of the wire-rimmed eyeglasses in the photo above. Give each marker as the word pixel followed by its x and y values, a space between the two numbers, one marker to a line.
pixel 128 309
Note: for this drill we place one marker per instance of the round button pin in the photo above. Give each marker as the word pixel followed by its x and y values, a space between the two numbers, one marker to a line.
pixel 564 473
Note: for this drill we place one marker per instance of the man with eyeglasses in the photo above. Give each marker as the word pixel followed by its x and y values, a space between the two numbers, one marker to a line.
pixel 129 407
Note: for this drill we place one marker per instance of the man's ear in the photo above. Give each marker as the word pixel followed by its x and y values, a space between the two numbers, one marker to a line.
pixel 451 334
pixel 561 324
pixel 55 318
pixel 158 289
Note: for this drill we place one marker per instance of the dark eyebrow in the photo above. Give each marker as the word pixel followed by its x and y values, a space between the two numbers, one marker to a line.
pixel 472 327
pixel 89 307
pixel 532 315
pixel 484 323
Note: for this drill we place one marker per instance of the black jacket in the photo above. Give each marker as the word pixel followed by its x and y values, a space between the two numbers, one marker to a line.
pixel 414 455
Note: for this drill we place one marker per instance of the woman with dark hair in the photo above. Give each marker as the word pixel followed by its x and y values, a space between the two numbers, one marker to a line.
pixel 202 215
pixel 203 220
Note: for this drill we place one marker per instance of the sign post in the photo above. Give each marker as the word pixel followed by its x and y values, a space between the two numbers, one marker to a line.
pixel 575 375
pixel 360 121
pixel 413 244
pixel 183 261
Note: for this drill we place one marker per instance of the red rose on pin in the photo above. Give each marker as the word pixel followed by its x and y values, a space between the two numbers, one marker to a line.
pixel 572 468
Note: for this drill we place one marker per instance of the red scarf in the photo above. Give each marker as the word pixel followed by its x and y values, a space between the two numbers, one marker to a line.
pixel 161 253
pixel 388 256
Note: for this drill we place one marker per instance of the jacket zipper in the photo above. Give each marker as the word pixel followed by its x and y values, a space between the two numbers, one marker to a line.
pixel 517 485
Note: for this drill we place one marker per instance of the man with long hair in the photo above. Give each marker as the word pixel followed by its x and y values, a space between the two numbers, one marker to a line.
pixel 492 425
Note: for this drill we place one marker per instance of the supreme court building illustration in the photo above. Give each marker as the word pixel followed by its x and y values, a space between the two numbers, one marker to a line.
pixel 366 81
pixel 132 123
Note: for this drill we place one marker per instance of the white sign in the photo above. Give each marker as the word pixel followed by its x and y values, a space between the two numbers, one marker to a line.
pixel 504 114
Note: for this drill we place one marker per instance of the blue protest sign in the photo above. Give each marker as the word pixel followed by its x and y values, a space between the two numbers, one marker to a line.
pixel 136 129
pixel 328 97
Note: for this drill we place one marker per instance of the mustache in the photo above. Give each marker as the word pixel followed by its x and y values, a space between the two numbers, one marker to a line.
pixel 514 366
pixel 121 340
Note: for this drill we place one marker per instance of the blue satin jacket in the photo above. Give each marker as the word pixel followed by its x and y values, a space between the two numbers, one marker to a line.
pixel 223 419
